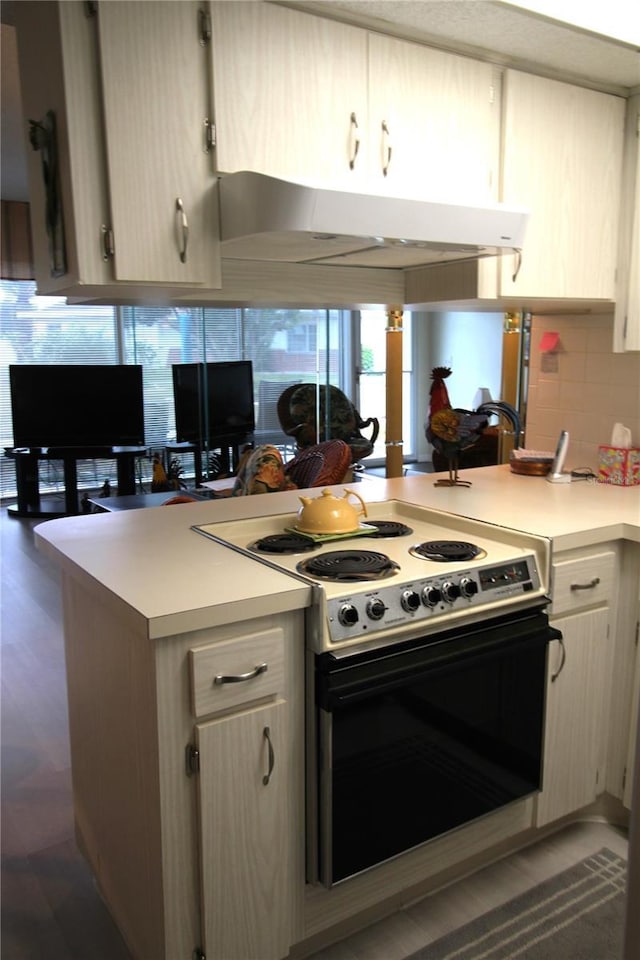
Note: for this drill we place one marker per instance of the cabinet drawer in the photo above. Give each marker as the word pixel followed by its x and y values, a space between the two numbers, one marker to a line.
pixel 237 671
pixel 582 581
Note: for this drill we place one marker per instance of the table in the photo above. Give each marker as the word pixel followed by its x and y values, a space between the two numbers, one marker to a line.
pixel 27 460
pixel 140 500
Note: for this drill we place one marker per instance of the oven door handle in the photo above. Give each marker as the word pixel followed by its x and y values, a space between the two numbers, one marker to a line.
pixel 437 660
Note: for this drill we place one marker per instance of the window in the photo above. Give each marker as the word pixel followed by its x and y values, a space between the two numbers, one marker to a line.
pixel 283 345
pixel 47 330
pixel 302 339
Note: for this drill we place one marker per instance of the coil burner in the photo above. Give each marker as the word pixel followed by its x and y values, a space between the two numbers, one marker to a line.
pixel 282 543
pixel 388 528
pixel 349 565
pixel 447 551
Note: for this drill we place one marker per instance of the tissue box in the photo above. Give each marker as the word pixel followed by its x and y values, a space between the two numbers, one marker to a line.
pixel 619 465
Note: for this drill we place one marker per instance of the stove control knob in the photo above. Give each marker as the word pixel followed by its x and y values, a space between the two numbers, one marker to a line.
pixel 348 615
pixel 431 596
pixel 450 591
pixel 410 601
pixel 376 609
pixel 468 587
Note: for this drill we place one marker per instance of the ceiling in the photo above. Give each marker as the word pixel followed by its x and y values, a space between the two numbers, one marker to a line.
pixel 507 35
pixel 487 29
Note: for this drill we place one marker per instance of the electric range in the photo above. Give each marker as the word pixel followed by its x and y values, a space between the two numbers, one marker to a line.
pixel 407 567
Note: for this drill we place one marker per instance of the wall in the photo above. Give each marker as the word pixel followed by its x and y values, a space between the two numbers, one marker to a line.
pixel 591 390
pixel 469 343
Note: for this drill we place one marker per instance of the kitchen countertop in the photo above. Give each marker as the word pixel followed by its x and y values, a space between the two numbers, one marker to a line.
pixel 168 579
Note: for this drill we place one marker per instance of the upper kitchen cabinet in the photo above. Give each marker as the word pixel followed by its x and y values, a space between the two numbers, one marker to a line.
pixel 434 122
pixel 122 191
pixel 156 103
pixel 562 159
pixel 290 93
pixel 627 311
pixel 305 98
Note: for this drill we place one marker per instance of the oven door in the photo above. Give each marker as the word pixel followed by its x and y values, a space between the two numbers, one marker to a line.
pixel 418 738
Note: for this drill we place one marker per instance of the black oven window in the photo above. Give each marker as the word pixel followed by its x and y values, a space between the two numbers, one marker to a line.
pixel 413 760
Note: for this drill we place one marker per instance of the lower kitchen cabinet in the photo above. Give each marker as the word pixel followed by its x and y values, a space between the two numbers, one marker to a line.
pixel 244 821
pixel 632 752
pixel 574 715
pixel 213 863
pixel 579 672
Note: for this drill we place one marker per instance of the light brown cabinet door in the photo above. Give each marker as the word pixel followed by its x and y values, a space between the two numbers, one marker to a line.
pixel 574 715
pixel 290 93
pixel 433 122
pixel 245 824
pixel 562 161
pixel 156 94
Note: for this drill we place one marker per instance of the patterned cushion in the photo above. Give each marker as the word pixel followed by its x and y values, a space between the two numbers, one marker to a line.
pixel 323 464
pixel 261 471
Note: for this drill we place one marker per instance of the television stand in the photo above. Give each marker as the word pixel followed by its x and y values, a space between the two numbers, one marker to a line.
pixel 27 460
pixel 228 448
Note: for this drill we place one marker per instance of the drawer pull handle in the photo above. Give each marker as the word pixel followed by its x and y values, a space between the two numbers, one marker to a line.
pixel 266 733
pixel 562 660
pixel 586 586
pixel 239 677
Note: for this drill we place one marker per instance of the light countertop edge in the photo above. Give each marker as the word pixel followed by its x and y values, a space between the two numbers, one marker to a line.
pixel 168 579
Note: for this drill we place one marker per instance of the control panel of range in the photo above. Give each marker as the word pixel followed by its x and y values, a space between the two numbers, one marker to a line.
pixel 393 604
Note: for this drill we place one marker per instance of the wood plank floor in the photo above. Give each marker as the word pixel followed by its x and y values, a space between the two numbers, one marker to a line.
pixel 50 907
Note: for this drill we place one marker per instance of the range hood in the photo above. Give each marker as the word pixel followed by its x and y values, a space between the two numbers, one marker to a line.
pixel 263 218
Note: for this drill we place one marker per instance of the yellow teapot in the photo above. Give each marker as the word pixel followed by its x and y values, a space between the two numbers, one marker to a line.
pixel 330 514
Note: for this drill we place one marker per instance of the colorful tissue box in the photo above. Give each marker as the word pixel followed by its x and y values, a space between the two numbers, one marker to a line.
pixel 619 465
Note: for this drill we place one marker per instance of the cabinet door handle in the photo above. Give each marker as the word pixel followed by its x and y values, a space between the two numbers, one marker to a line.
pixel 183 229
pixel 266 733
pixel 239 677
pixel 586 586
pixel 517 254
pixel 386 143
pixel 354 140
pixel 563 658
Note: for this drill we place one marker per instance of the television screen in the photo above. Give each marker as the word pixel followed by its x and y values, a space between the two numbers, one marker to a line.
pixel 77 405
pixel 213 400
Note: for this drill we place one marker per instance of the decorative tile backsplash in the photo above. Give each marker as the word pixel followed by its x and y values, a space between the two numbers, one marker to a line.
pixel 583 387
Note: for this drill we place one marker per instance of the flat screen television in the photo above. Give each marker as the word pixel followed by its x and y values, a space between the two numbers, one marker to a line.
pixel 213 400
pixel 77 405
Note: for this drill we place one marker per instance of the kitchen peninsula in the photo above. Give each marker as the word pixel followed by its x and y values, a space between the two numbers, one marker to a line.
pixel 149 604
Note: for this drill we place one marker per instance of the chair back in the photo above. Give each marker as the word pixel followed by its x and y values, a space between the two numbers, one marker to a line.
pixel 338 418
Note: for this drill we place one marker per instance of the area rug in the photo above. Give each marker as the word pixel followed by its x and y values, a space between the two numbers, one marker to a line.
pixel 576 915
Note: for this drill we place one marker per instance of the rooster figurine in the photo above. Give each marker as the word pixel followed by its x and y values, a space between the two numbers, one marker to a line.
pixel 451 431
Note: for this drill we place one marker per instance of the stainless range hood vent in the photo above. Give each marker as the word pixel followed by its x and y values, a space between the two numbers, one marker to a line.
pixel 263 218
